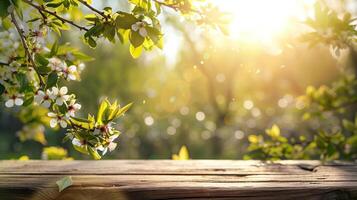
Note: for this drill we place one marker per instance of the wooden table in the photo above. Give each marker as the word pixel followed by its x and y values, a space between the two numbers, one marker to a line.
pixel 166 179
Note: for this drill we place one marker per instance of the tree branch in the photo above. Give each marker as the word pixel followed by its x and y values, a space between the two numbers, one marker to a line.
pixel 176 7
pixel 93 9
pixel 24 44
pixel 3 63
pixel 64 20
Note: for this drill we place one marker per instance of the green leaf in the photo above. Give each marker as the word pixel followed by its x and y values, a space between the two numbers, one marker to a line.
pixel 125 20
pixel 54 49
pixel 135 52
pixel 91 17
pixel 136 39
pixel 94 153
pixel 52 79
pixel 154 34
pixel 3 8
pixel 6 23
pixel 84 123
pixel 101 110
pixel 41 60
pixel 109 33
pixel 123 110
pixel 43 70
pixel 54 5
pixel 64 183
pixel 28 101
pixel 158 8
pixel 82 149
pixel 92 43
pixel 22 79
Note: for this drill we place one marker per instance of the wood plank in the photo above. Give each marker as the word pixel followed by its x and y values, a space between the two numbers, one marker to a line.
pixel 166 179
pixel 159 167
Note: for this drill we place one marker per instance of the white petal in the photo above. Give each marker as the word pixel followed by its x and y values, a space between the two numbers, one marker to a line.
pixel 76 142
pixel 9 103
pixel 53 123
pixel 63 90
pixel 54 91
pixel 70 113
pixel 113 137
pixel 46 104
pixel 72 77
pixel 51 114
pixel 104 151
pixel 19 101
pixel 143 32
pixel 77 106
pixel 59 101
pixel 66 97
pixel 63 123
pixel 49 92
pixel 134 27
pixel 112 146
pixel 38 99
pixel 72 68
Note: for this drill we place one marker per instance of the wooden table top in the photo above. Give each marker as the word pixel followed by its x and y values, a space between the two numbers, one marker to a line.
pixel 167 179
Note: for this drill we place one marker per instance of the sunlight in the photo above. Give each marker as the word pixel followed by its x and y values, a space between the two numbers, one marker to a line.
pixel 260 20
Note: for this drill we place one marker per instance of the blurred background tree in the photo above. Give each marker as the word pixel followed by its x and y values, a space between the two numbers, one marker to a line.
pixel 203 90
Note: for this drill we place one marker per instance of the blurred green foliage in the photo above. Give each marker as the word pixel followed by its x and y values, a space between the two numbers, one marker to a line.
pixel 220 95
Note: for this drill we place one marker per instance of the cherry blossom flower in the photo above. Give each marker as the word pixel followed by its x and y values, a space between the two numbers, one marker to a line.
pixel 57 119
pixel 70 72
pixel 79 143
pixel 140 26
pixel 60 95
pixel 14 100
pixel 111 146
pixel 43 98
pixel 72 108
pixel 56 64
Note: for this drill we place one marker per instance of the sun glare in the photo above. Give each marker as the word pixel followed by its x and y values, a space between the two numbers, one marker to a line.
pixel 262 20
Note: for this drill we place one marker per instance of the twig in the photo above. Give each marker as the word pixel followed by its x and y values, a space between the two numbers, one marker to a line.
pixel 64 20
pixel 3 63
pixel 93 9
pixel 173 6
pixel 24 44
pixel 176 8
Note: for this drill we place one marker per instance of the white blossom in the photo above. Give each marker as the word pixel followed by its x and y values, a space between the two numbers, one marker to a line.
pixel 56 64
pixel 72 108
pixel 60 95
pixel 43 98
pixel 70 72
pixel 57 119
pixel 111 146
pixel 14 100
pixel 78 142
pixel 140 26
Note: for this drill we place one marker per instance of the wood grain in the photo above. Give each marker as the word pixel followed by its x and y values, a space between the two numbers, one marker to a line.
pixel 166 179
